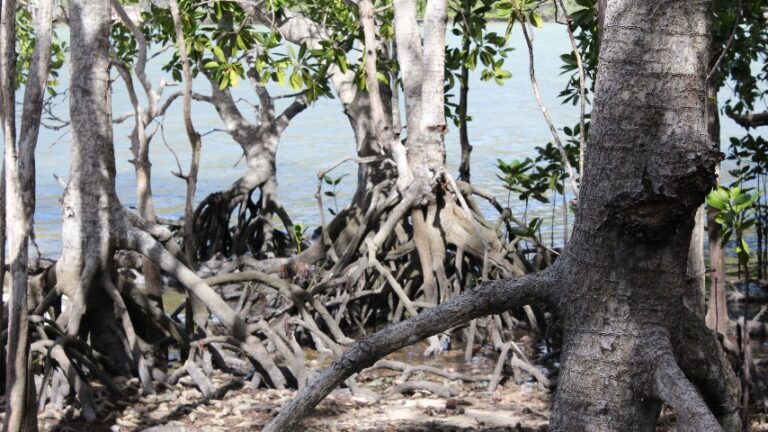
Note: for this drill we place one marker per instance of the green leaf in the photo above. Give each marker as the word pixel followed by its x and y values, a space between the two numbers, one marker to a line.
pixel 341 62
pixel 211 65
pixel 718 198
pixel 536 20
pixel 295 80
pixel 219 53
pixel 520 232
pixel 743 248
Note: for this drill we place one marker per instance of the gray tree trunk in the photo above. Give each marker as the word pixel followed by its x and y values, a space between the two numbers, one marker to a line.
pixel 20 193
pixel 629 341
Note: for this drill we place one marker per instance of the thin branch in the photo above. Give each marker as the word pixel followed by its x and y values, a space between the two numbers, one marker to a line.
pixel 728 44
pixel 582 92
pixel 540 101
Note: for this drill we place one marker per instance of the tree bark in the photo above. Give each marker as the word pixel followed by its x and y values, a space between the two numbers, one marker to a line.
pixel 629 342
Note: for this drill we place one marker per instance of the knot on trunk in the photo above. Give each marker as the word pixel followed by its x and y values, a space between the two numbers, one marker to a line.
pixel 654 213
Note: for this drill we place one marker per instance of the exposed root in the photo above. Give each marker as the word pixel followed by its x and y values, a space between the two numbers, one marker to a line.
pixel 492 297
pixel 674 388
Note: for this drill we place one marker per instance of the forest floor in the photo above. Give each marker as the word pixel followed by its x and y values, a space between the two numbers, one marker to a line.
pixel 236 406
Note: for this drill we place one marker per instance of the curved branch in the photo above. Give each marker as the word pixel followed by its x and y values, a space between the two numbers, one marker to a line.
pixel 489 298
pixel 141 62
pixel 298 105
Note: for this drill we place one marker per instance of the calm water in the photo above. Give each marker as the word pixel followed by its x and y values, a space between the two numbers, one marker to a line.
pixel 506 124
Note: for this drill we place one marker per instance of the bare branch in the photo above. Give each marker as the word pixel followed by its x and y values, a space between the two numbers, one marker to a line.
pixel 298 105
pixel 537 93
pixel 141 62
pixel 582 92
pixel 749 120
pixel 489 298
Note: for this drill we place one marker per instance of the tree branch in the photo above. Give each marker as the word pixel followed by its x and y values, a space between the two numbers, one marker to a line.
pixel 298 105
pixel 141 62
pixel 749 120
pixel 489 298
pixel 146 245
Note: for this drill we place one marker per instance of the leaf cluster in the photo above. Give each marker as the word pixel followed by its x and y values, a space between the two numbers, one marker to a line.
pixel 734 208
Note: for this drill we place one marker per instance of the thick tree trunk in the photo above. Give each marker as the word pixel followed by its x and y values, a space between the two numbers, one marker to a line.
pixel 92 215
pixel 3 237
pixel 651 151
pixel 629 342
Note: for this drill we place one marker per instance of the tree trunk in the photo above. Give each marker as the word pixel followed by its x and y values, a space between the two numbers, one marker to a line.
pixel 92 215
pixel 717 312
pixel 18 329
pixel 20 183
pixel 629 342
pixel 259 141
pixel 95 224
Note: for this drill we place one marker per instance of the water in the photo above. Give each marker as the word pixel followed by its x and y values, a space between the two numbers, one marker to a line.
pixel 506 124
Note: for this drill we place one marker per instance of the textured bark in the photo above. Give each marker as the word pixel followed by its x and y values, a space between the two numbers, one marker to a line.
pixel 95 224
pixel 92 213
pixel 649 167
pixel 3 237
pixel 629 341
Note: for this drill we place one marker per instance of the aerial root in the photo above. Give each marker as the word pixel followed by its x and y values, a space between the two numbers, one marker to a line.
pixel 409 370
pixel 489 298
pixel 672 387
pixel 703 360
